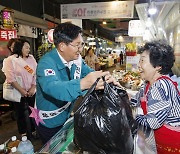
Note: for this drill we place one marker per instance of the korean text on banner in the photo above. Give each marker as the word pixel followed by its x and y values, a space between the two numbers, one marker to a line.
pixel 115 9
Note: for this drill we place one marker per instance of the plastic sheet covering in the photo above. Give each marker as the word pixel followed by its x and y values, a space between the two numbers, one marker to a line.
pixel 103 123
pixel 62 142
pixel 144 141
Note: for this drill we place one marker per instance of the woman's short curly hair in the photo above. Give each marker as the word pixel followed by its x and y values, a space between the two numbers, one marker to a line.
pixel 160 54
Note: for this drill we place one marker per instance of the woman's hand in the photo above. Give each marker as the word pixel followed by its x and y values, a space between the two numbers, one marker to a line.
pixel 109 79
pixel 31 91
pixel 23 92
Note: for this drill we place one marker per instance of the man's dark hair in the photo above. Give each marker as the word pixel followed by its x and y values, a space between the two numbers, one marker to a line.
pixel 65 32
pixel 160 54
pixel 18 47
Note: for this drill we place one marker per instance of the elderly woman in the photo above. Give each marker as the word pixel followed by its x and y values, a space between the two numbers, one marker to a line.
pixel 159 97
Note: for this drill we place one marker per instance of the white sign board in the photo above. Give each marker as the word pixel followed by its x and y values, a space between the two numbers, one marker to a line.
pixel 115 9
pixel 28 31
pixel 123 39
pixel 92 43
pixel 132 62
pixel 136 28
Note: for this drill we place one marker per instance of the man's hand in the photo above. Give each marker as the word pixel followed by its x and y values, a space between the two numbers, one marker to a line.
pixel 89 80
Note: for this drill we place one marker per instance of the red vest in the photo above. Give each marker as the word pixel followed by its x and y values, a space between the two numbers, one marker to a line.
pixel 167 140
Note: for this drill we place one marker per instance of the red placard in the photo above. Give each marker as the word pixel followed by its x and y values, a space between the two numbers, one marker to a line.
pixel 6 35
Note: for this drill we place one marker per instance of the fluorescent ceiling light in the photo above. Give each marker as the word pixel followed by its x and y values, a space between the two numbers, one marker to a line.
pixel 152 9
pixel 104 22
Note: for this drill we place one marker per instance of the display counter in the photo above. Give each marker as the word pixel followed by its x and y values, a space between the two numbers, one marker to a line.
pixel 108 61
pixel 62 142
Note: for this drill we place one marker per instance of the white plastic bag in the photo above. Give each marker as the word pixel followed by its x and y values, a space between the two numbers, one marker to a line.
pixel 144 141
pixel 10 93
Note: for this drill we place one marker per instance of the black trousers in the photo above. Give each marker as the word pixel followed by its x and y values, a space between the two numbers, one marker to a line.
pixel 24 122
pixel 46 133
pixel 121 61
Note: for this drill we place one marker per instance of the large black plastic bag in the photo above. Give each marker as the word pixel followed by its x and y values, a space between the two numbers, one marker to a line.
pixel 103 123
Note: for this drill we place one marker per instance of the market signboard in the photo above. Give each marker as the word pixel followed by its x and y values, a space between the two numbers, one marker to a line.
pixel 114 9
pixel 132 63
pixel 6 35
pixel 7 16
pixel 136 28
pixel 28 31
pixel 123 39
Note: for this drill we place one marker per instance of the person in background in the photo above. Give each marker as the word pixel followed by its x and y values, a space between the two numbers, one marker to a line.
pixel 110 53
pixel 10 45
pixel 63 76
pixel 175 78
pixel 121 58
pixel 23 65
pixel 2 79
pixel 159 97
pixel 110 59
pixel 91 59
pixel 115 56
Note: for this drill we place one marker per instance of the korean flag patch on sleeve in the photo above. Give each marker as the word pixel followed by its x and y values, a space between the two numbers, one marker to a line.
pixel 48 72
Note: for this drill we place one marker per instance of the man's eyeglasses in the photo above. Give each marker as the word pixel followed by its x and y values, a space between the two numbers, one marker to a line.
pixel 78 46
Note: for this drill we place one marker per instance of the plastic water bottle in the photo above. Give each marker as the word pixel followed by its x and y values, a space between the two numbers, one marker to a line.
pixel 25 146
pixel 13 142
pixel 14 151
pixel 2 149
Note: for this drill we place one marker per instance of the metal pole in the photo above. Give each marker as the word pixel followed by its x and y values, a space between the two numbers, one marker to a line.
pixel 20 5
pixel 43 9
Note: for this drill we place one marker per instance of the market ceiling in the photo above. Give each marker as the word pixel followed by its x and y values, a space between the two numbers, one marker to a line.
pixel 81 1
pixel 93 1
pixel 113 28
